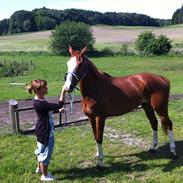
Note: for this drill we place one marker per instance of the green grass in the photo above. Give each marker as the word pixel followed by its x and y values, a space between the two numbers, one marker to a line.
pixel 53 68
pixel 175 26
pixel 73 157
pixel 50 68
pixel 24 45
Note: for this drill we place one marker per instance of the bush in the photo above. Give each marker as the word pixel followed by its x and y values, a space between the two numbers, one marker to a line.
pixel 147 43
pixel 162 45
pixel 14 68
pixel 78 35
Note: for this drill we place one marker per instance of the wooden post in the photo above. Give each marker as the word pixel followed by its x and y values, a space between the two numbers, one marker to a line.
pixel 13 104
pixel 17 121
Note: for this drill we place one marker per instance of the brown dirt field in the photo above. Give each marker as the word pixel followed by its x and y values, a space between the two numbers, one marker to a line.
pixel 28 36
pixel 115 35
pixel 107 34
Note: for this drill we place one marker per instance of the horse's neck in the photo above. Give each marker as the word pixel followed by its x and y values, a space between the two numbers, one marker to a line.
pixel 88 83
pixel 93 71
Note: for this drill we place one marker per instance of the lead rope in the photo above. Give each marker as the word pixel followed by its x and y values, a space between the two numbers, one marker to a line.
pixel 71 101
pixel 65 114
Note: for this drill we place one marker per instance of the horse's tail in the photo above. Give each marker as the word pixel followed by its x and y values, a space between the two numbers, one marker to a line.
pixel 164 128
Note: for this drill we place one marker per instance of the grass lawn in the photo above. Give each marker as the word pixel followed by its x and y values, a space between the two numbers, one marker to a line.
pixel 73 158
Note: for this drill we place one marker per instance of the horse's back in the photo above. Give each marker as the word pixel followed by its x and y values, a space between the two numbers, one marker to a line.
pixel 142 80
pixel 155 82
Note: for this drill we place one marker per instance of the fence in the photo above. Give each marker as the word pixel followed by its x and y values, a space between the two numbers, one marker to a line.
pixel 14 111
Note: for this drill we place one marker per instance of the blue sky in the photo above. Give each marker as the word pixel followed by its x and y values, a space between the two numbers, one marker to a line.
pixel 154 8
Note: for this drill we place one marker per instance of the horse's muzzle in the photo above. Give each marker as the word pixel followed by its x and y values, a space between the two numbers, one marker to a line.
pixel 69 89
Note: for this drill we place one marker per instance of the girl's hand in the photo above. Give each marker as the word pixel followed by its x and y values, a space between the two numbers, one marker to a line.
pixel 62 110
pixel 62 95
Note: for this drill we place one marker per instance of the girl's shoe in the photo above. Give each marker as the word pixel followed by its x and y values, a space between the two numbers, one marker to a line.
pixel 48 177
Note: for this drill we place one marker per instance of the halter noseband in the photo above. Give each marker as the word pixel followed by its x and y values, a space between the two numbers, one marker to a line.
pixel 72 75
pixel 75 75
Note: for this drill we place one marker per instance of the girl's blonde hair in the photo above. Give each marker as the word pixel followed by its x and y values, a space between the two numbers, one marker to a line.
pixel 36 85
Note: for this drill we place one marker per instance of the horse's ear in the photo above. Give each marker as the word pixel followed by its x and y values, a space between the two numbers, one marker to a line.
pixel 83 51
pixel 70 50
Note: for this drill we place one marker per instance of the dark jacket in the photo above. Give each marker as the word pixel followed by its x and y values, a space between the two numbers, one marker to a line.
pixel 42 129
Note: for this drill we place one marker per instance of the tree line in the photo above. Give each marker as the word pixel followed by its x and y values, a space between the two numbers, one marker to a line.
pixel 177 17
pixel 47 19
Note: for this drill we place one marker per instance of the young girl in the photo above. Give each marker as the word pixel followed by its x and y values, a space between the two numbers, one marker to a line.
pixel 44 127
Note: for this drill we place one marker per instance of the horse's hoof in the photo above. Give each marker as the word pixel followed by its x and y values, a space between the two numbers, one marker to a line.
pixel 100 167
pixel 173 156
pixel 151 150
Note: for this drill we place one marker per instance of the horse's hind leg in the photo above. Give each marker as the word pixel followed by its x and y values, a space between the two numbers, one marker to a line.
pixel 160 105
pixel 167 127
pixel 154 124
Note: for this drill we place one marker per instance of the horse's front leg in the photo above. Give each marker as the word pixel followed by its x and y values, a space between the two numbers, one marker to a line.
pixel 97 124
pixel 100 123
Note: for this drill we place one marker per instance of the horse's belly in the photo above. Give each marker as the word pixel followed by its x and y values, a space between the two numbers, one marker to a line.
pixel 112 108
pixel 120 107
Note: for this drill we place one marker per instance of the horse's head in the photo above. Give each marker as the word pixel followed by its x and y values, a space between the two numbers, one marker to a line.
pixel 76 69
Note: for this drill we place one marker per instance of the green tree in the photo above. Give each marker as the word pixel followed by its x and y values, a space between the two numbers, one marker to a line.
pixel 45 23
pixel 4 26
pixel 177 17
pixel 22 21
pixel 78 35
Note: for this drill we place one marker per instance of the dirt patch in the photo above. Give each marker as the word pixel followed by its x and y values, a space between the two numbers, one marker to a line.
pixel 126 138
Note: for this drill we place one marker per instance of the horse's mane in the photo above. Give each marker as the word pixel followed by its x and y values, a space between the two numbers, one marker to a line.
pixel 108 75
pixel 98 74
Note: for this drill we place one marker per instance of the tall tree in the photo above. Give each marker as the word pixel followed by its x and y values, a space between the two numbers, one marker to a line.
pixel 22 21
pixel 4 26
pixel 177 17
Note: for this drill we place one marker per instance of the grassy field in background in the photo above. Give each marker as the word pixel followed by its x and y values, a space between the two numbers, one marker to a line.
pixel 112 35
pixel 24 45
pixel 53 68
pixel 73 158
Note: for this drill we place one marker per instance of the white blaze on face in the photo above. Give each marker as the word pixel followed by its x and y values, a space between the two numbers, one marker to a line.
pixel 71 65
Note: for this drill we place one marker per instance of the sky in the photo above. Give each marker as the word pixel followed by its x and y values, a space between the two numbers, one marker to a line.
pixel 163 9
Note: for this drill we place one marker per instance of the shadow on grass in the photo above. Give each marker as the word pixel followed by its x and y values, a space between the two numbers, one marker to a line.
pixel 128 165
pixel 94 172
pixel 163 152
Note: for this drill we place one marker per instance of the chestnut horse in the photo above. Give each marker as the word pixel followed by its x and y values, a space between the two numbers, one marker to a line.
pixel 105 95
